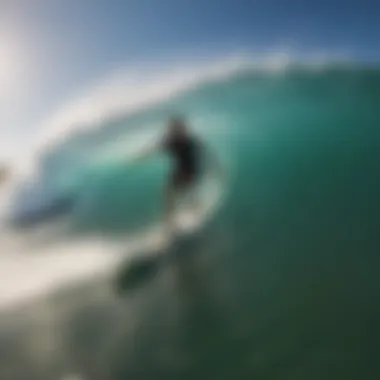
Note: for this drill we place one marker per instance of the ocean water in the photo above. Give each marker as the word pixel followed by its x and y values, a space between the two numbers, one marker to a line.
pixel 281 283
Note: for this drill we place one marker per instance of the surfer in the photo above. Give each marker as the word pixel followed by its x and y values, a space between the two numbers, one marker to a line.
pixel 185 151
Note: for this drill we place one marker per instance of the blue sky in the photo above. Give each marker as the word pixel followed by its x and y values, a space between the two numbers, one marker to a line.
pixel 51 49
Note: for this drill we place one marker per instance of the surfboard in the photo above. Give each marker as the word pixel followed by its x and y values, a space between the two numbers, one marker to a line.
pixel 154 246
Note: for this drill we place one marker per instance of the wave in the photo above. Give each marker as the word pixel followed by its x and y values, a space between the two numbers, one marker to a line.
pixel 98 127
pixel 130 90
pixel 85 151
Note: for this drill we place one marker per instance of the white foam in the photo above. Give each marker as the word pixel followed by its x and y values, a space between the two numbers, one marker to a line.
pixel 28 271
pixel 28 274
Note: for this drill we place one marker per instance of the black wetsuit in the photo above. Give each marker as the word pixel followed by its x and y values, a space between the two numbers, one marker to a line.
pixel 185 154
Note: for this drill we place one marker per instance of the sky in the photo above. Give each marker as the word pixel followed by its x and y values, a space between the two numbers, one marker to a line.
pixel 52 50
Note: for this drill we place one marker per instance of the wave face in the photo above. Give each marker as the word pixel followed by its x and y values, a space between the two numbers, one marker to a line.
pixel 300 145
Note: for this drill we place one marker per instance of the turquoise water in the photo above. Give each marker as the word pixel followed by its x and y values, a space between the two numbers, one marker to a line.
pixel 282 283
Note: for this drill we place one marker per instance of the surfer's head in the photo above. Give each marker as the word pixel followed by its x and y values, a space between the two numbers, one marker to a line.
pixel 177 127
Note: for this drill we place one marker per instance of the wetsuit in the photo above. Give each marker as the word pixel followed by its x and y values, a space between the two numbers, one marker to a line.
pixel 185 153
